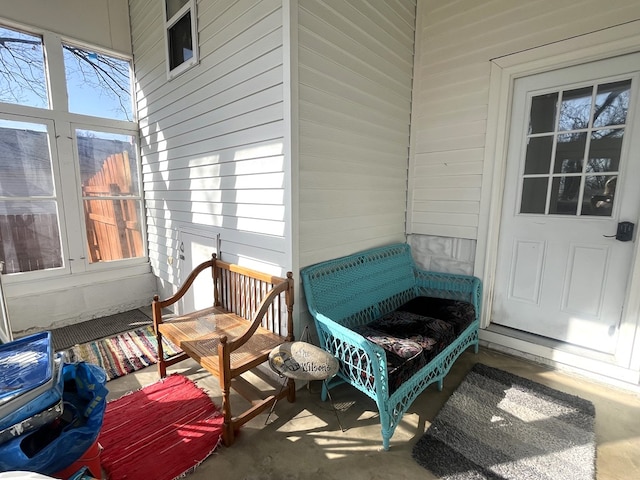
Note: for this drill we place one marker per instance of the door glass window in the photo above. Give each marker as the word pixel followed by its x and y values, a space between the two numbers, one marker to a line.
pixel 571 168
pixel 29 231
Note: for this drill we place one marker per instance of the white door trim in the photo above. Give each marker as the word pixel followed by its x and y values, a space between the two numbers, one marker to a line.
pixel 505 70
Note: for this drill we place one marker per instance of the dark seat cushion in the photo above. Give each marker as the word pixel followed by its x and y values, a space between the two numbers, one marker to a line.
pixel 457 312
pixel 410 342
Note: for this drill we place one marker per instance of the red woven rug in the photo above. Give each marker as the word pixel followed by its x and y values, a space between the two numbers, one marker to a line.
pixel 162 431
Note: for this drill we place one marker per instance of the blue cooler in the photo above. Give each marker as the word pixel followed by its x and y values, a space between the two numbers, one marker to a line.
pixel 31 385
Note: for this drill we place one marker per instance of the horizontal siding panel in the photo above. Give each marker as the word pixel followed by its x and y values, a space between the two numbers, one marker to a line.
pixel 387 64
pixel 326 82
pixel 448 169
pixel 328 227
pixel 441 206
pixel 258 108
pixel 381 205
pixel 435 134
pixel 344 166
pixel 235 153
pixel 252 225
pixel 341 74
pixel 208 147
pixel 449 157
pixel 361 154
pixel 376 28
pixel 437 230
pixel 452 118
pixel 357 124
pixel 374 117
pixel 247 211
pixel 265 181
pixel 232 89
pixel 452 143
pixel 160 97
pixel 341 136
pixel 332 13
pixel 247 196
pixel 451 181
pixel 319 250
pixel 315 199
pixel 453 194
pixel 340 180
pixel 223 169
pixel 237 123
pixel 322 46
pixel 451 219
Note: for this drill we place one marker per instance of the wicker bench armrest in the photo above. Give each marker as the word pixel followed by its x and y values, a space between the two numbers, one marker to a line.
pixel 363 364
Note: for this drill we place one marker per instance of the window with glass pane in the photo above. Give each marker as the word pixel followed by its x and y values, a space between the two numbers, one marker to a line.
pixel 22 72
pixel 29 231
pixel 110 195
pixel 180 31
pixel 98 84
pixel 562 162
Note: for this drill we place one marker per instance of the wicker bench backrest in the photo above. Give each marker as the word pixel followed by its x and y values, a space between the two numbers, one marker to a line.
pixel 355 289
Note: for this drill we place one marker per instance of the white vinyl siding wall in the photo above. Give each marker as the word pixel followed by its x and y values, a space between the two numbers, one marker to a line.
pixel 355 69
pixel 455 43
pixel 212 138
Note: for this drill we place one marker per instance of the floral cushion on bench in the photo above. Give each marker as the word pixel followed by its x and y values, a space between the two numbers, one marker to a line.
pixel 411 340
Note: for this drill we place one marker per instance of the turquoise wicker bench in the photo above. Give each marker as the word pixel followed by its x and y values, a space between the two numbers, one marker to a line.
pixel 394 328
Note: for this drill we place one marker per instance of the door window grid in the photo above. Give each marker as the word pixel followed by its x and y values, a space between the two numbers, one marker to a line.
pixel 573 150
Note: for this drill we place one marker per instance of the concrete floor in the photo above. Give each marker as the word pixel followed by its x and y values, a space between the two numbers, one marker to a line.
pixel 303 440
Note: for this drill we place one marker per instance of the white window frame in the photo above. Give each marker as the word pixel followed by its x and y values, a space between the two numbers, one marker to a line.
pixel 61 125
pixel 189 7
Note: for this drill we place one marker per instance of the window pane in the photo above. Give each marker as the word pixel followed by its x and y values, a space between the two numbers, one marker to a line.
pixel 180 42
pixel 107 164
pixel 575 110
pixel 25 163
pixel 612 104
pixel 534 195
pixel 599 193
pixel 564 195
pixel 605 150
pixel 111 198
pixel 173 6
pixel 538 156
pixel 570 152
pixel 113 229
pixel 543 113
pixel 29 235
pixel 98 85
pixel 22 75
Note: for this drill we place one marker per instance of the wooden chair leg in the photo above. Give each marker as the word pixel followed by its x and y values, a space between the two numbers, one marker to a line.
pixel 162 366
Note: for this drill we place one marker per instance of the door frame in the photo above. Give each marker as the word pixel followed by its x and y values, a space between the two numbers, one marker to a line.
pixel 505 70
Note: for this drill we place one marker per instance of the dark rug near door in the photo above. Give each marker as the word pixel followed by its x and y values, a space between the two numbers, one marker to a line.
pixel 70 335
pixel 497 425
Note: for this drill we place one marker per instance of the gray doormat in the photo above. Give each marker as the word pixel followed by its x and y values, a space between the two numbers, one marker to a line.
pixel 500 426
pixel 70 335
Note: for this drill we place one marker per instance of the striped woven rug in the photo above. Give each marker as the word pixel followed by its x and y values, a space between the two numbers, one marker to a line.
pixel 123 353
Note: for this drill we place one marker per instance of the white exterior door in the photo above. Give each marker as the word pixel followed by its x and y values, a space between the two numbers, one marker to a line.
pixel 195 248
pixel 572 176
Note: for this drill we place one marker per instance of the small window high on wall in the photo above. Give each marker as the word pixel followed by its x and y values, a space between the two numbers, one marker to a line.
pixel 181 36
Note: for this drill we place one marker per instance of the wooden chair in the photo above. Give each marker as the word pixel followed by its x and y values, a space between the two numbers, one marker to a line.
pixel 252 313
